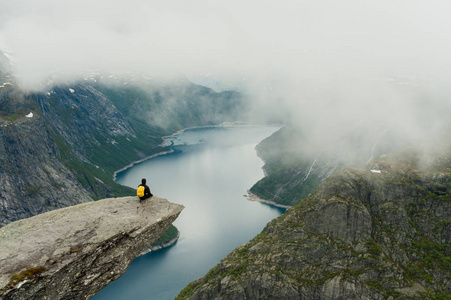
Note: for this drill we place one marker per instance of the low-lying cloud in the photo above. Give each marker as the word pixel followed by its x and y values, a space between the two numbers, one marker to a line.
pixel 326 65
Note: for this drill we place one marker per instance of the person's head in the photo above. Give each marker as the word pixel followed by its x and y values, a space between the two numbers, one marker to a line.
pixel 143 181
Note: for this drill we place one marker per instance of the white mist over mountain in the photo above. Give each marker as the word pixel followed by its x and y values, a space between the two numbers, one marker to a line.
pixel 330 66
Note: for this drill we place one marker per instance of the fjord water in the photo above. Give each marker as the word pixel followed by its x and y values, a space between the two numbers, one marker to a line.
pixel 209 172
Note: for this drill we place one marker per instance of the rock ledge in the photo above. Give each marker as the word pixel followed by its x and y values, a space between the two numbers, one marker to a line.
pixel 72 253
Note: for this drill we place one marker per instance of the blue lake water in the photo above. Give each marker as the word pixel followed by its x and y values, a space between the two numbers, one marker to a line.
pixel 209 173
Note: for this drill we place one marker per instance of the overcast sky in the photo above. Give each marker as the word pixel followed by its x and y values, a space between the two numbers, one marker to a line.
pixel 332 57
pixel 226 38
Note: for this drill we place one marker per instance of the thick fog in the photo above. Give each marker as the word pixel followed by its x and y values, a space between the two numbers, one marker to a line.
pixel 330 66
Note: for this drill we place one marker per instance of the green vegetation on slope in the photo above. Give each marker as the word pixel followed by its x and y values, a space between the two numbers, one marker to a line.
pixel 292 172
pixel 98 181
pixel 166 237
pixel 174 107
pixel 359 235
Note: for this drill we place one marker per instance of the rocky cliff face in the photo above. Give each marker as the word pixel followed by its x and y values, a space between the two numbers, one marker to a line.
pixel 46 150
pixel 72 253
pixel 382 232
pixel 83 117
pixel 32 179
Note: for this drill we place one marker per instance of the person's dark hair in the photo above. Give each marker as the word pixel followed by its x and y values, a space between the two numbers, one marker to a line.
pixel 143 181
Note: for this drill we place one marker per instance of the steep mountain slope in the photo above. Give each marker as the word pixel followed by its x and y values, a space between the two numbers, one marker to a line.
pixel 32 178
pixel 374 233
pixel 296 163
pixel 291 174
pixel 173 106
pixel 60 147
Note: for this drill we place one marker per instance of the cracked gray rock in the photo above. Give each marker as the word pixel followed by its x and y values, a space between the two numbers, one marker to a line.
pixel 72 253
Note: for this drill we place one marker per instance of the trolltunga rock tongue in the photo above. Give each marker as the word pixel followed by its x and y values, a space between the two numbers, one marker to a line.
pixel 72 253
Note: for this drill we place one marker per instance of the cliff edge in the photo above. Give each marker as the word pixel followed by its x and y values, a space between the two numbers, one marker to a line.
pixel 72 253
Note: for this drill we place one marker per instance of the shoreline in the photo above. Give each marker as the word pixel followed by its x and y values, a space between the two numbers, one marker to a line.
pixel 140 161
pixel 225 124
pixel 162 245
pixel 164 144
pixel 253 197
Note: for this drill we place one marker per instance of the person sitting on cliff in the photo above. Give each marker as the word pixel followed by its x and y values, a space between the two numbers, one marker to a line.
pixel 143 191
